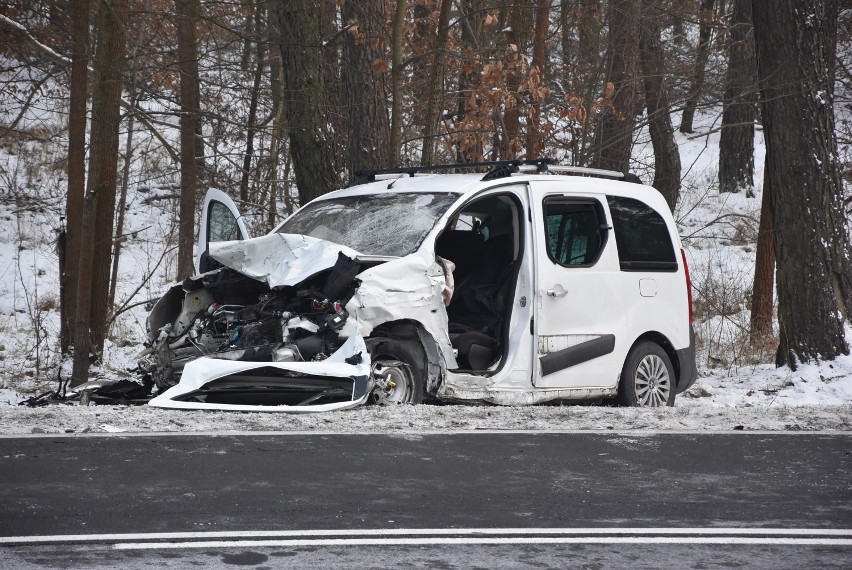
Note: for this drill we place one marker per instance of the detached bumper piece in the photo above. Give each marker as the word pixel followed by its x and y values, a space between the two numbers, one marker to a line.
pixel 336 383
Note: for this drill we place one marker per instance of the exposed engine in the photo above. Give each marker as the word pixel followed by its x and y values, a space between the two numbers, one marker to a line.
pixel 230 316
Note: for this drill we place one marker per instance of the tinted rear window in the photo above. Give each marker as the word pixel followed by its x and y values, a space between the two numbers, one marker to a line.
pixel 642 236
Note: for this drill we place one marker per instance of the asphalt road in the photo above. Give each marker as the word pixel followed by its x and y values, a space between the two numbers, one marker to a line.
pixel 762 500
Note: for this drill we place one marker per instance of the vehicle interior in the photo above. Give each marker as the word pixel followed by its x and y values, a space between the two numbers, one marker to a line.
pixel 484 242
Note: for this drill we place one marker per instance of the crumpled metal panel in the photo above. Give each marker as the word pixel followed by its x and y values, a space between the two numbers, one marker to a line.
pixel 205 370
pixel 407 288
pixel 279 259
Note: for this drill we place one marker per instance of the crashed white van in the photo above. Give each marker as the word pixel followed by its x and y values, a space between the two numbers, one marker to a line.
pixel 527 284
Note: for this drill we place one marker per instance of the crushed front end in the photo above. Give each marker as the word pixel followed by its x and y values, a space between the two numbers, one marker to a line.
pixel 230 339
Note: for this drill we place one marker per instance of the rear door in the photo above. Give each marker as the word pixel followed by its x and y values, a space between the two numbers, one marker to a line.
pixel 220 221
pixel 579 309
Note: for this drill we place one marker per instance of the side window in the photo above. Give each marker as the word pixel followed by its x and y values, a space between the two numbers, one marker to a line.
pixel 221 224
pixel 575 231
pixel 642 236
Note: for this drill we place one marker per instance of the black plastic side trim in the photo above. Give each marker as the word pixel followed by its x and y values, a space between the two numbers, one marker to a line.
pixel 577 354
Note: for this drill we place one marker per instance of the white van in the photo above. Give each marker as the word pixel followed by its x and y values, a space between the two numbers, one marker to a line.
pixel 527 284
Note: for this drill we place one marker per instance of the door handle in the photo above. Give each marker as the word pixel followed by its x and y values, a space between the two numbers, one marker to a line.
pixel 557 292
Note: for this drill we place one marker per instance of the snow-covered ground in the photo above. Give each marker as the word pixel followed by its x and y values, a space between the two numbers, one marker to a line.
pixel 737 385
pixel 815 397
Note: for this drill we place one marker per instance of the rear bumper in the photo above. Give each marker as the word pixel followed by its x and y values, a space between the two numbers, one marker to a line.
pixel 686 364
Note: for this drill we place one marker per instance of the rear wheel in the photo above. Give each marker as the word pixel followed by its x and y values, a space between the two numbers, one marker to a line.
pixel 647 378
pixel 399 373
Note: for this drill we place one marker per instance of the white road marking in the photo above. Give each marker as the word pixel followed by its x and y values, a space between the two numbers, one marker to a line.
pixel 414 431
pixel 694 535
pixel 435 541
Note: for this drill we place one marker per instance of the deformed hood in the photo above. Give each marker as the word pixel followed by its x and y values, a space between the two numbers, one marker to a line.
pixel 279 260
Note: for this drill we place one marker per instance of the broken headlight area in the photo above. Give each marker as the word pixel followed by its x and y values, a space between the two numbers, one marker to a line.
pixel 227 316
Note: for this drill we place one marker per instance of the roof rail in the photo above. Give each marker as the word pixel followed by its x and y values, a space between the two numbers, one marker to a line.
pixel 363 176
pixel 498 169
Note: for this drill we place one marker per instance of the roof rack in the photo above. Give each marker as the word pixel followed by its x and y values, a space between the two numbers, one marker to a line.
pixel 498 169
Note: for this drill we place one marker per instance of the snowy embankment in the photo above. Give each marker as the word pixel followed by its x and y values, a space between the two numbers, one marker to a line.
pixel 815 397
pixel 425 419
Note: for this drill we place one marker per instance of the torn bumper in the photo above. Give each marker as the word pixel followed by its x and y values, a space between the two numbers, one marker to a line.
pixel 293 387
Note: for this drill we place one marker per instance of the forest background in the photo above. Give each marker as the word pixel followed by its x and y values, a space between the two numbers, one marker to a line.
pixel 117 115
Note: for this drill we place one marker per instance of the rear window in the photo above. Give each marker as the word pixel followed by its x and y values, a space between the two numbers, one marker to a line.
pixel 642 236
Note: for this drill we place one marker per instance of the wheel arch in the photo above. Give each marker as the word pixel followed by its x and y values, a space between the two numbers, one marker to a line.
pixel 414 331
pixel 663 342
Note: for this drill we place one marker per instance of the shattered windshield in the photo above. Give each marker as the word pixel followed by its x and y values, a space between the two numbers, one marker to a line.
pixel 377 224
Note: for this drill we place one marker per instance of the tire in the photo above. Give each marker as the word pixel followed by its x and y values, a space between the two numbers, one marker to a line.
pixel 647 378
pixel 398 369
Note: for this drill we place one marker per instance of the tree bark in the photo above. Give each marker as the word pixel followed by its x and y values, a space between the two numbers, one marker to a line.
pixel 615 128
pixel 251 127
pixel 99 203
pixel 396 81
pixel 764 270
pixel 139 40
pixel 702 53
pixel 736 141
pixel 275 84
pixel 435 88
pixel 187 12
pixel 305 107
pixel 535 143
pixel 518 24
pixel 366 98
pixel 796 46
pixel 469 44
pixel 76 169
pixel 583 76
pixel 666 155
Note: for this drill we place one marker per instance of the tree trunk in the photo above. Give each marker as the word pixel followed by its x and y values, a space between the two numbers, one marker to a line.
pixel 366 98
pixel 396 81
pixel 584 70
pixel 736 141
pixel 764 270
pixel 187 12
pixel 69 285
pixel 248 34
pixel 435 88
pixel 99 204
pixel 535 143
pixel 666 155
pixel 702 53
pixel 518 24
pixel 251 127
pixel 795 57
pixel 470 25
pixel 128 157
pixel 305 109
pixel 276 80
pixel 615 127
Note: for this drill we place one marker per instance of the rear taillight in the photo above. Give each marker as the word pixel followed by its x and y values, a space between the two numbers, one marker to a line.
pixel 688 285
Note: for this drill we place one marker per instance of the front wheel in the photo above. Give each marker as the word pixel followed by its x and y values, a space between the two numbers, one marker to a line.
pixel 398 371
pixel 647 378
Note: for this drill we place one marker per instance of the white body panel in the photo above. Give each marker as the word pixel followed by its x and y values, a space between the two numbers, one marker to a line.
pixel 553 307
